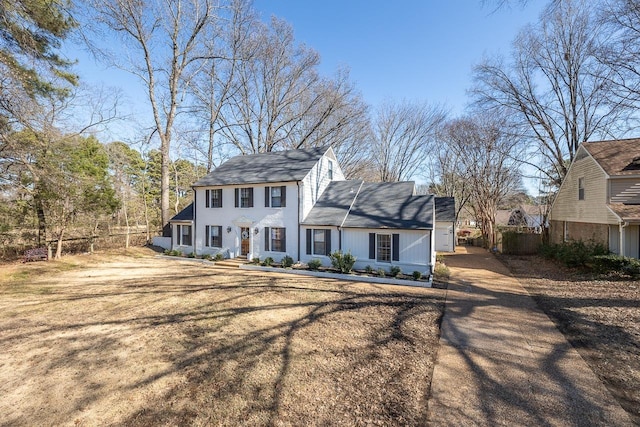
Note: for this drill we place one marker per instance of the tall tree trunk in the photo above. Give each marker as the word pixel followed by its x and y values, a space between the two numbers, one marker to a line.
pixel 59 244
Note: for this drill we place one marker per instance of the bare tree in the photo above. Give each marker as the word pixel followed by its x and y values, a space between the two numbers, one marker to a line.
pixel 485 161
pixel 554 89
pixel 160 43
pixel 402 138
pixel 280 101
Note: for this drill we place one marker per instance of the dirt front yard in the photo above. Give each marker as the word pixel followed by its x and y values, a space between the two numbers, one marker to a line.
pixel 601 319
pixel 137 340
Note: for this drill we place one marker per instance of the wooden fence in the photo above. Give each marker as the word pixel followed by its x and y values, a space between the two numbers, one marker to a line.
pixel 513 243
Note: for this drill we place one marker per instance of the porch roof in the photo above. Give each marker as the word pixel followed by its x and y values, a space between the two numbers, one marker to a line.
pixel 627 213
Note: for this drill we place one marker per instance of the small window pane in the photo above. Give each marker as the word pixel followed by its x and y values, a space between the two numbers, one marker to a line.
pixel 580 188
pixel 330 169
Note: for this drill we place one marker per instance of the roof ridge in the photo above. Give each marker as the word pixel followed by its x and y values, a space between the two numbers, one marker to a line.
pixel 351 205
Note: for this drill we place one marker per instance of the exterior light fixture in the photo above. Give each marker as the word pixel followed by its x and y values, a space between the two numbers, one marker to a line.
pixel 229 229
pixel 257 230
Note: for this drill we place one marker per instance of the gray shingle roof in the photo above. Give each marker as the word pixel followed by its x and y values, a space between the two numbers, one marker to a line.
pixel 334 203
pixel 618 157
pixel 377 205
pixel 446 209
pixel 185 214
pixel 277 166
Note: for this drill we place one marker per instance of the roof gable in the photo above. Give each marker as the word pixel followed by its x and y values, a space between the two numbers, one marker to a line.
pixel 185 214
pixel 276 166
pixel 618 157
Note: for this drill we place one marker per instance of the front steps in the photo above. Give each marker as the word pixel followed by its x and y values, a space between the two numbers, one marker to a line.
pixel 232 262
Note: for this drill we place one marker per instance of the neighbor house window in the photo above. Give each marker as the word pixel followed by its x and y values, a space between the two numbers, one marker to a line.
pixel 330 169
pixel 275 197
pixel 384 247
pixel 214 236
pixel 275 239
pixel 244 197
pixel 183 235
pixel 580 188
pixel 214 198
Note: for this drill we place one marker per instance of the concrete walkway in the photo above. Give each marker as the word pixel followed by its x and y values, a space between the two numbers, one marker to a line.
pixel 501 360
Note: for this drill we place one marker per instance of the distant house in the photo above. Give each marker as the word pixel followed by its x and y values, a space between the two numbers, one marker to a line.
pixel 599 198
pixel 445 229
pixel 298 203
pixel 529 217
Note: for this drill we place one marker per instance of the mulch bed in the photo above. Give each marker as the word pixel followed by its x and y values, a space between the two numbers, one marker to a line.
pixel 600 316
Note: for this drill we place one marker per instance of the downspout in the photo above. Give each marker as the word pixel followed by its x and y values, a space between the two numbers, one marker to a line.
pixel 346 215
pixel 299 228
pixel 623 242
pixel 194 222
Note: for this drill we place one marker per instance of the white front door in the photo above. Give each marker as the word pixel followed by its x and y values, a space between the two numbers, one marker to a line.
pixel 443 239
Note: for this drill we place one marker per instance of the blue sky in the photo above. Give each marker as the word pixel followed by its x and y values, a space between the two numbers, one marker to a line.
pixel 407 49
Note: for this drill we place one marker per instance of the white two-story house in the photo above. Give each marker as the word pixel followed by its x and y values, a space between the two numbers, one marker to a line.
pixel 298 203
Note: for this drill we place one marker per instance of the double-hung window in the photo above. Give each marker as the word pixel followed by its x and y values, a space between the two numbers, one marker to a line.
pixel 214 236
pixel 275 239
pixel 244 197
pixel 384 247
pixel 213 198
pixel 318 242
pixel 183 237
pixel 275 197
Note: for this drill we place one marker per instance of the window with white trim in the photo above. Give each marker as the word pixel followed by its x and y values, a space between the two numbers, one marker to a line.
pixel 214 236
pixel 383 247
pixel 183 235
pixel 245 198
pixel 276 197
pixel 319 242
pixel 278 243
pixel 580 188
pixel 214 198
pixel 330 173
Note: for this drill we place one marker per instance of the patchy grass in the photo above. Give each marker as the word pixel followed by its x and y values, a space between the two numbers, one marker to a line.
pixel 599 316
pixel 146 341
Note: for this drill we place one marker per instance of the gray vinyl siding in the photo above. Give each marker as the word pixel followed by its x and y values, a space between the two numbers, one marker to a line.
pixel 625 190
pixel 593 208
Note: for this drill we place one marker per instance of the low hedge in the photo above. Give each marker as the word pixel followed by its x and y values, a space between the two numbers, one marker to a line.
pixel 607 263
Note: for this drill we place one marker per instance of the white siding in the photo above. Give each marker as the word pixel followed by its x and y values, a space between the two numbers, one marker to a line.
pixel 256 217
pixel 444 236
pixel 316 181
pixel 625 190
pixel 415 249
pixel 592 209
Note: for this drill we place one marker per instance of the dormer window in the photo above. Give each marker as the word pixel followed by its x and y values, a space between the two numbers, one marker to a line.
pixel 330 173
pixel 580 188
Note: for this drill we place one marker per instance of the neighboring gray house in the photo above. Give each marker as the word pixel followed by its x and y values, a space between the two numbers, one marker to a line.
pixel 599 198
pixel 445 229
pixel 298 203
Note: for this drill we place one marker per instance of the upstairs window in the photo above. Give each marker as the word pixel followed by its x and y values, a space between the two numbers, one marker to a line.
pixel 580 188
pixel 330 174
pixel 214 198
pixel 244 197
pixel 275 197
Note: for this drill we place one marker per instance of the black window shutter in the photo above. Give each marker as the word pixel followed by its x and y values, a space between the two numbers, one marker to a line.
pixel 372 245
pixel 266 238
pixel 395 247
pixel 207 234
pixel 267 196
pixel 251 197
pixel 284 240
pixel 237 197
pixel 207 198
pixel 283 196
pixel 220 200
pixel 309 234
pixel 220 235
pixel 327 242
